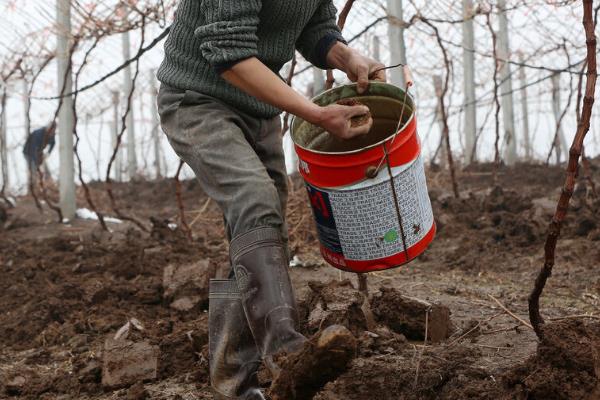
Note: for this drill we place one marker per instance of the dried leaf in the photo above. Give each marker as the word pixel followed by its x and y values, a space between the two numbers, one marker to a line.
pixel 123 331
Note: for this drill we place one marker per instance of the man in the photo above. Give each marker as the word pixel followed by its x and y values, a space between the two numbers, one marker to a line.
pixel 35 144
pixel 219 103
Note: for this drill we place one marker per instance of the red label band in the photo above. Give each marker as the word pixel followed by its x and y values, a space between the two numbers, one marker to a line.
pixel 338 261
pixel 334 170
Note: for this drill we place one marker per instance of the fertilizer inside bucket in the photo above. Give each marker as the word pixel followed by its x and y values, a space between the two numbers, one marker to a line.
pixel 385 112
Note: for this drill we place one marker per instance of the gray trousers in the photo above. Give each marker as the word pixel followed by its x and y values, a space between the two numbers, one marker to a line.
pixel 237 158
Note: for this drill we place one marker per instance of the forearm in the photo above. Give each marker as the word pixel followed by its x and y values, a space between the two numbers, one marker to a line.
pixel 255 79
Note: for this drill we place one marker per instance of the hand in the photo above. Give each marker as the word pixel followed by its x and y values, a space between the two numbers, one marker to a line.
pixel 336 119
pixel 358 68
pixel 361 69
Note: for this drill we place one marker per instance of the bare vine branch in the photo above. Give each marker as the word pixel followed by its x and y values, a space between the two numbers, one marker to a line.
pixel 567 192
pixel 496 99
pixel 444 115
pixel 108 180
pixel 86 189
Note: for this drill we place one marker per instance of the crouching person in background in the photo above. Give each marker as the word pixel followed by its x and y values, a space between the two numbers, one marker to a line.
pixel 34 147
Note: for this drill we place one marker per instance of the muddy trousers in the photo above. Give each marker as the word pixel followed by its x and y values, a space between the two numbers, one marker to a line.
pixel 238 159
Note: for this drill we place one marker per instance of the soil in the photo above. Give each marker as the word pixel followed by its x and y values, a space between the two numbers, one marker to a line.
pixel 565 366
pixel 412 317
pixel 67 288
pixel 323 358
pixel 361 119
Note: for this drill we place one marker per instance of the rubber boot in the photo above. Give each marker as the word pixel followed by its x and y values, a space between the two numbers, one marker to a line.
pixel 260 265
pixel 234 357
pixel 298 366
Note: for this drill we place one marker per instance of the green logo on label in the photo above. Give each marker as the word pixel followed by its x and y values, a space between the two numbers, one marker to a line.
pixel 390 236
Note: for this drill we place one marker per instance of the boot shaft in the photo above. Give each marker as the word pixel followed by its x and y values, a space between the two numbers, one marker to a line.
pixel 261 269
pixel 234 357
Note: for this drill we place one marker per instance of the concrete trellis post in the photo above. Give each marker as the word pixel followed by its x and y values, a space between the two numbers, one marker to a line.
pixel 508 115
pixel 525 111
pixel 66 120
pixel 118 164
pixel 155 124
pixel 469 81
pixel 127 85
pixel 396 39
pixel 560 147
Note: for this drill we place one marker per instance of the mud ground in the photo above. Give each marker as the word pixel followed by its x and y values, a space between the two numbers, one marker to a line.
pixel 67 288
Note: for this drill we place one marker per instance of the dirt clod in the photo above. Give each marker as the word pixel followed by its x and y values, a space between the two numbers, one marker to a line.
pixel 410 316
pixel 186 286
pixel 566 365
pixel 15 385
pixel 336 302
pixel 323 358
pixel 137 392
pixel 126 362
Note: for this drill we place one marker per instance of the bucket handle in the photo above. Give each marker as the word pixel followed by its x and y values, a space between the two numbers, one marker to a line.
pixel 405 71
pixel 372 172
pixel 409 82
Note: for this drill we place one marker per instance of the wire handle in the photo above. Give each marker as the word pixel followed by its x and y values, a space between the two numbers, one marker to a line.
pixel 386 158
pixel 388 67
pixel 408 79
pixel 407 76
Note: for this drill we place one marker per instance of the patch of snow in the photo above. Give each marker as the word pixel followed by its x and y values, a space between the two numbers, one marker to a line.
pixel 296 262
pixel 85 213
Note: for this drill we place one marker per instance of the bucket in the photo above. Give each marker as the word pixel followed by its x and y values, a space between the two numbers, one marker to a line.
pixel 368 194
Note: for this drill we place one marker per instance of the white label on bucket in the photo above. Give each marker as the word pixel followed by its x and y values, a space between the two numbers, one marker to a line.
pixel 303 165
pixel 366 219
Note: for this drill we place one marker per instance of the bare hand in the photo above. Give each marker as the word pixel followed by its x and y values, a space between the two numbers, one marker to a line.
pixel 336 119
pixel 361 69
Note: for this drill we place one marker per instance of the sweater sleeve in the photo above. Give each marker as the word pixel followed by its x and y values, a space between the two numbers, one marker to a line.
pixel 229 34
pixel 320 34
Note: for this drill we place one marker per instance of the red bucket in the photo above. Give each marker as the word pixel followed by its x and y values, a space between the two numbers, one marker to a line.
pixel 368 194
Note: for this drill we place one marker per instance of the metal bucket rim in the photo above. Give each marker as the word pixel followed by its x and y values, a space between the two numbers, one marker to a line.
pixel 362 149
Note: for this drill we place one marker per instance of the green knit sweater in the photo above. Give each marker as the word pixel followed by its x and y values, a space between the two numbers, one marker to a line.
pixel 210 36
